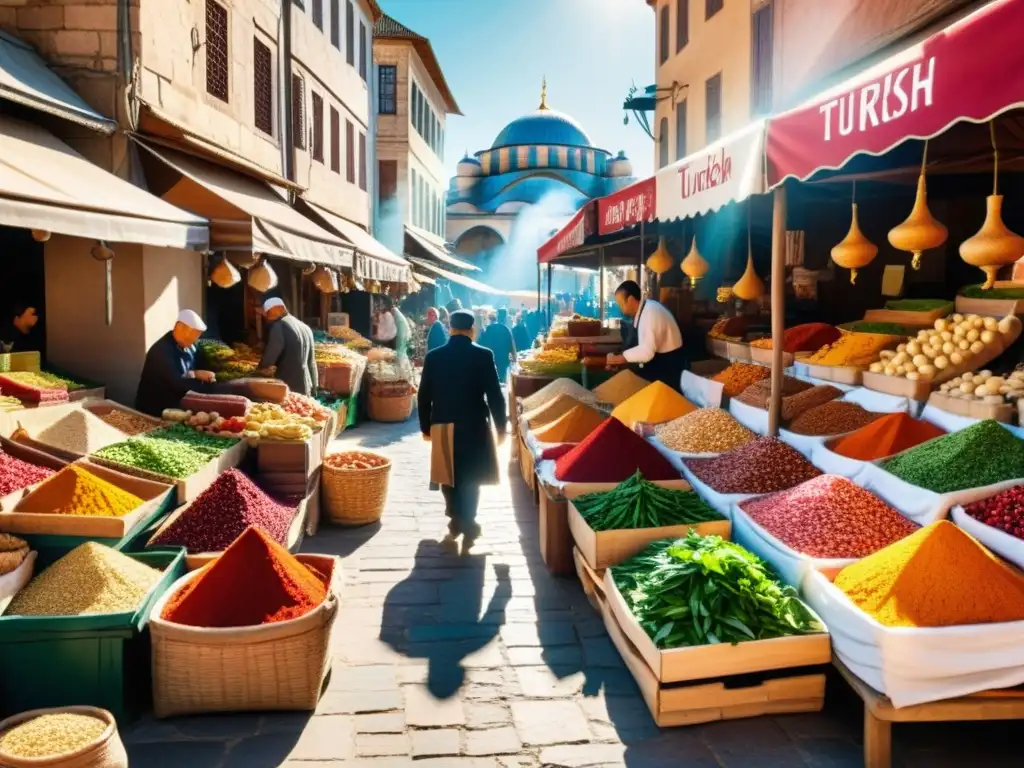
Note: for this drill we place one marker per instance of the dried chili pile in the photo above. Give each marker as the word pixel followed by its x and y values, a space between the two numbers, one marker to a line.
pixel 809 337
pixel 764 465
pixel 936 577
pixel 255 581
pixel 829 516
pixel 16 474
pixel 610 454
pixel 834 418
pixel 885 437
pixel 222 513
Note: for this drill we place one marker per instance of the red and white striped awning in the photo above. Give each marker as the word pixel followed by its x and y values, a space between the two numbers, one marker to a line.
pixel 971 70
pixel 572 235
pixel 626 208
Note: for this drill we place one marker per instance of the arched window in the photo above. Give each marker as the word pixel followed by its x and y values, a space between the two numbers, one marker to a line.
pixel 663 142
pixel 663 32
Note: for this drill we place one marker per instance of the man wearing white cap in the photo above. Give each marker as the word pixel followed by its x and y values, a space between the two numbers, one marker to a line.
pixel 289 348
pixel 169 371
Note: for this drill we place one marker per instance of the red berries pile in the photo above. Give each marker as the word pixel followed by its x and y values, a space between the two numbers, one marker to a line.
pixel 16 474
pixel 1004 511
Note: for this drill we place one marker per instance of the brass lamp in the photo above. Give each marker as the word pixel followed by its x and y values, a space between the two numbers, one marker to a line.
pixel 855 251
pixel 694 266
pixel 920 232
pixel 660 261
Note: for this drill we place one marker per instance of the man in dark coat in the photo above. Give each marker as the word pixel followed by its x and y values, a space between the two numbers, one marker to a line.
pixel 459 397
pixel 520 333
pixel 437 336
pixel 290 349
pixel 497 337
pixel 18 335
pixel 169 371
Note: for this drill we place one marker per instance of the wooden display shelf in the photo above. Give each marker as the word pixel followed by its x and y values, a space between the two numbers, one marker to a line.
pixel 738 351
pixel 838 374
pixel 974 409
pixel 880 714
pixel 601 549
pixel 709 699
pixel 679 665
pixel 904 317
pixel 591 581
pixel 763 356
pixel 555 539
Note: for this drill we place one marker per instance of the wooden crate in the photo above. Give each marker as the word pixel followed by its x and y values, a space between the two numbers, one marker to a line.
pixel 899 386
pixel 710 699
pixel 592 581
pixel 712 661
pixel 291 455
pixel 601 549
pixel 989 307
pixel 738 350
pixel 555 539
pixel 526 465
pixel 840 374
pixel 32 456
pixel 879 713
pixel 155 497
pixel 974 409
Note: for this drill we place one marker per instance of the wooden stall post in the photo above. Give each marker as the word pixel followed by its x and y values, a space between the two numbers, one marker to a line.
pixel 778 305
pixel 600 280
pixel 548 310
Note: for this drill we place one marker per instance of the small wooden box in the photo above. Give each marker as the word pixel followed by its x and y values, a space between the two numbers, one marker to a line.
pixel 840 374
pixel 155 497
pixel 712 661
pixel 905 317
pixel 974 409
pixel 601 549
pixel 290 455
pixel 899 386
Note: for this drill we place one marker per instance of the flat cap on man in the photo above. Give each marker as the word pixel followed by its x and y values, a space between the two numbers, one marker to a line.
pixel 462 320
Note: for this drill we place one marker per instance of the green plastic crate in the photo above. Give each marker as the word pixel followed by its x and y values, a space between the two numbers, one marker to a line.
pixel 101 660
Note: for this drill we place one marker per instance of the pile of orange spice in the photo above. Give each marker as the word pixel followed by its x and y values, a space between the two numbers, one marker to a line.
pixel 738 376
pixel 886 436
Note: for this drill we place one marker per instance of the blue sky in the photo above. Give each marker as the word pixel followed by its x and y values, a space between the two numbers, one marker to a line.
pixel 495 52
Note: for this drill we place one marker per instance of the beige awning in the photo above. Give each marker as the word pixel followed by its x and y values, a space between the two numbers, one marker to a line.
pixel 467 282
pixel 373 259
pixel 46 185
pixel 419 277
pixel 246 213
pixel 435 248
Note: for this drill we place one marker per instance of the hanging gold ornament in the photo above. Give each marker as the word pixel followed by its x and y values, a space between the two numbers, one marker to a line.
pixel 920 232
pixel 262 277
pixel 325 280
pixel 749 287
pixel 995 245
pixel 660 261
pixel 855 251
pixel 243 259
pixel 694 266
pixel 40 235
pixel 224 274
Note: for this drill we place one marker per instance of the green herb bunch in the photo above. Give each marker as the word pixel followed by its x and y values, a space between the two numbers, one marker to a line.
pixel 703 590
pixel 639 503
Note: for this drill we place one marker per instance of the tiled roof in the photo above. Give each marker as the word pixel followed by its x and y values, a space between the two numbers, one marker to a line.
pixel 388 28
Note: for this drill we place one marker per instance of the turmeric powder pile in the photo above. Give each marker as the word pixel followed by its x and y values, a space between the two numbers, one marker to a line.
pixel 853 350
pixel 936 577
pixel 654 404
pixel 550 411
pixel 572 427
pixel 75 491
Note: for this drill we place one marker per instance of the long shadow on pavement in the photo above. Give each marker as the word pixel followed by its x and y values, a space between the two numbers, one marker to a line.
pixel 464 630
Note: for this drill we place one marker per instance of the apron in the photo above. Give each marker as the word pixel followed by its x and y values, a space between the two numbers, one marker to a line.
pixel 666 367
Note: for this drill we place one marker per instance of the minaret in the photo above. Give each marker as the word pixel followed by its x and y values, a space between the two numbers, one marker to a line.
pixel 543 94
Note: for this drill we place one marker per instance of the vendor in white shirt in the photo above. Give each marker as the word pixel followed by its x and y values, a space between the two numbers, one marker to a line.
pixel 392 327
pixel 658 354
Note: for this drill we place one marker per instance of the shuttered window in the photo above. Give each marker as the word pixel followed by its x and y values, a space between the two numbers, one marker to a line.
pixel 387 75
pixel 298 112
pixel 362 161
pixel 711 7
pixel 713 108
pixel 318 14
pixel 681 129
pixel 336 23
pixel 663 142
pixel 663 33
pixel 217 50
pixel 263 87
pixel 350 34
pixel 318 127
pixel 350 152
pixel 335 141
pixel 682 24
pixel 364 48
pixel 761 77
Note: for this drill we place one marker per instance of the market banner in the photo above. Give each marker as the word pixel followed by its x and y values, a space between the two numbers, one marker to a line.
pixel 728 171
pixel 572 235
pixel 627 207
pixel 971 70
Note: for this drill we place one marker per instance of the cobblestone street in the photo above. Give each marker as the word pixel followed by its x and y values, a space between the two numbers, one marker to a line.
pixel 488 662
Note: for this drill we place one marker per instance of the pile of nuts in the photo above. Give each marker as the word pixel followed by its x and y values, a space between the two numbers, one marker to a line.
pixel 764 465
pixel 986 387
pixel 129 423
pixel 951 345
pixel 706 430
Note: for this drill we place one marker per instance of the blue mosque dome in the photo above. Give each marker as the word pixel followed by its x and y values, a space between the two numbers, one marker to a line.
pixel 544 126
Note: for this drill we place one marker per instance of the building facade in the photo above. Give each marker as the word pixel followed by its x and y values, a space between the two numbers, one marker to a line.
pixel 413 103
pixel 543 163
pixel 713 64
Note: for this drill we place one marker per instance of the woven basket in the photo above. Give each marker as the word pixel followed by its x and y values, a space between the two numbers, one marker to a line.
pixel 280 666
pixel 354 496
pixel 390 409
pixel 106 752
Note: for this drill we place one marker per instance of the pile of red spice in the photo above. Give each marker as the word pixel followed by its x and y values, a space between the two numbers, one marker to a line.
pixel 829 516
pixel 809 337
pixel 222 512
pixel 16 474
pixel 1004 511
pixel 764 465
pixel 610 454
pixel 255 581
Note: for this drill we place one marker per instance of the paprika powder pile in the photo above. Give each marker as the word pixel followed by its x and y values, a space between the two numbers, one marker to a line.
pixel 937 577
pixel 809 337
pixel 885 437
pixel 75 491
pixel 654 404
pixel 613 453
pixel 222 512
pixel 571 427
pixel 255 581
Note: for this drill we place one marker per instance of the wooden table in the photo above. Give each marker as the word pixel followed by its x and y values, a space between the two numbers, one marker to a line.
pixel 880 714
